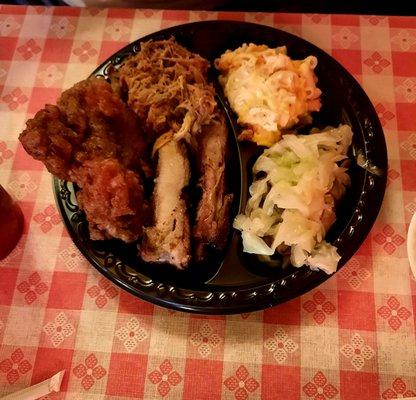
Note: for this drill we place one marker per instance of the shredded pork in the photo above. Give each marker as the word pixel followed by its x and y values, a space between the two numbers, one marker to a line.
pixel 167 88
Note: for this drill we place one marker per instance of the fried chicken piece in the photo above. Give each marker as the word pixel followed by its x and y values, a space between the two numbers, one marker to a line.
pixel 212 220
pixel 93 139
pixel 168 240
pixel 89 121
pixel 112 197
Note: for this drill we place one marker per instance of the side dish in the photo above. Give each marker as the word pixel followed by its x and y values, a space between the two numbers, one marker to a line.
pixel 298 180
pixel 292 203
pixel 269 92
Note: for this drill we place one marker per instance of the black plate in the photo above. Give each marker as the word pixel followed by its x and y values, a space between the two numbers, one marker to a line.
pixel 236 282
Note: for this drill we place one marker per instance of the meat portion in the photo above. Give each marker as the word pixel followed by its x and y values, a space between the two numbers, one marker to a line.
pixel 212 220
pixel 112 197
pixel 90 121
pixel 89 125
pixel 168 239
pixel 167 88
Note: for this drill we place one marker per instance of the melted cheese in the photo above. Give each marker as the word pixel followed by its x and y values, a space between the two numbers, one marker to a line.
pixel 268 91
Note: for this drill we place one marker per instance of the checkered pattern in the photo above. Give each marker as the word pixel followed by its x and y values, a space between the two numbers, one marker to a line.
pixel 352 338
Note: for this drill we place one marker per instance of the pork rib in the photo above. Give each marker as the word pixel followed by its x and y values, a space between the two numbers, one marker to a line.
pixel 212 220
pixel 168 239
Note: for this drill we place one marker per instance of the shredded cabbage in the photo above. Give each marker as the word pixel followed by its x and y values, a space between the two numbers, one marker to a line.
pixel 292 201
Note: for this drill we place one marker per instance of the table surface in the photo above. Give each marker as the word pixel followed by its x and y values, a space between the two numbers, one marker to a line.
pixel 351 338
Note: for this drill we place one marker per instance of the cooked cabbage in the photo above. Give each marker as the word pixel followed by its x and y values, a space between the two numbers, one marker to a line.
pixel 293 195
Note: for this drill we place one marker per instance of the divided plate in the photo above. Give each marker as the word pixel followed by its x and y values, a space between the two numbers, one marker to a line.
pixel 236 282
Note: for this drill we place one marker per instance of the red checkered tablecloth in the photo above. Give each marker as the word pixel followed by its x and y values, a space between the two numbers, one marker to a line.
pixel 352 338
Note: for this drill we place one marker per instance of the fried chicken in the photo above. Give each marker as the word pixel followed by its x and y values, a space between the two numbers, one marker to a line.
pixel 112 198
pixel 93 139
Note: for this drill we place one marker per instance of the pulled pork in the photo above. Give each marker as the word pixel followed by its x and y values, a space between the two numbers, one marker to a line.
pixel 167 88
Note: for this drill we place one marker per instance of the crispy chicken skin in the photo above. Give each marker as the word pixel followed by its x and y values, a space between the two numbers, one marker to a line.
pixel 89 121
pixel 168 240
pixel 92 138
pixel 112 198
pixel 212 222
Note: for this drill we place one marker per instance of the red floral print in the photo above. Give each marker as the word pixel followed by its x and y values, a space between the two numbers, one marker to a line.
pixel 132 334
pixel 392 175
pixel 102 292
pixel 29 49
pixel 410 145
pixel 406 39
pixel 316 18
pixel 376 62
pixel 47 218
pixel 62 28
pixel 15 98
pixel 280 345
pixel 393 313
pixel 22 186
pixel 354 273
pixel 319 307
pixel 374 20
pixel 383 114
pixel 389 239
pixel 32 288
pixel 165 377
pixel 9 26
pixel 319 388
pixel 357 351
pixel 89 372
pixel 241 383
pixel 15 366
pixel 205 339
pixel 85 51
pixel 5 153
pixel 345 37
pixel 59 329
pixel 398 390
pixel 407 90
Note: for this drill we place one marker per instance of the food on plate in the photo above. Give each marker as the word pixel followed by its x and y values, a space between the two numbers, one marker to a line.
pixel 93 139
pixel 112 198
pixel 168 240
pixel 99 141
pixel 159 102
pixel 292 199
pixel 269 92
pixel 167 87
pixel 212 222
